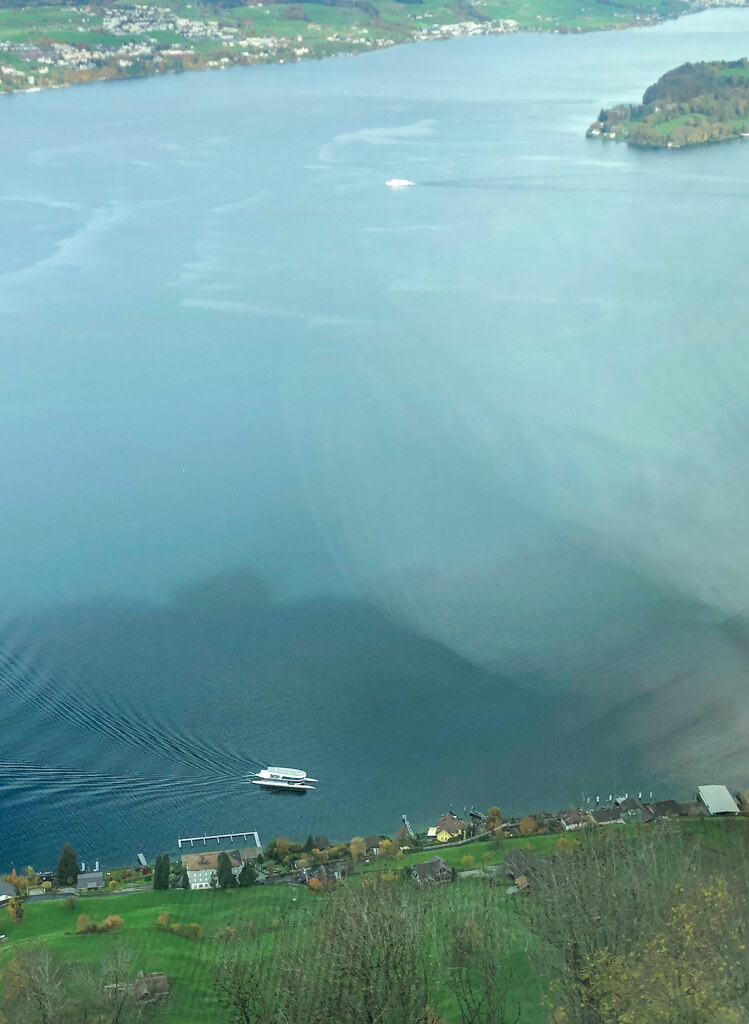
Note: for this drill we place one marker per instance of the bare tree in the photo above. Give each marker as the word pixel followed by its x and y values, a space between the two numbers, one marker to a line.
pixel 242 973
pixel 479 949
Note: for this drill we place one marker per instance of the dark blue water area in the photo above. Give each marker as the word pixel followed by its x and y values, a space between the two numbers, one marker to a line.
pixel 130 724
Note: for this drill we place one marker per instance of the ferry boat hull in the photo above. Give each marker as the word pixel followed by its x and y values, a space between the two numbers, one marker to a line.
pixel 286 779
pixel 287 787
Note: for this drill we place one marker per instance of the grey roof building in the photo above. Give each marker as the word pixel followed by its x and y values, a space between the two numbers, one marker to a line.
pixel 7 892
pixel 432 872
pixel 666 809
pixel 90 880
pixel 607 815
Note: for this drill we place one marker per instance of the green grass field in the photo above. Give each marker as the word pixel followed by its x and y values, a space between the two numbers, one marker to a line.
pixel 191 1000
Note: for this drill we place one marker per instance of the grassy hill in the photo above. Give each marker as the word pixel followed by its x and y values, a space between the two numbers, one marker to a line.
pixel 719 844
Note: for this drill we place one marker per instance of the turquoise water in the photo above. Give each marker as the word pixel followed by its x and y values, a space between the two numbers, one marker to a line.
pixel 438 493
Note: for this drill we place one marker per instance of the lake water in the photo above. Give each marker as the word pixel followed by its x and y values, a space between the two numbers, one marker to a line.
pixel 441 494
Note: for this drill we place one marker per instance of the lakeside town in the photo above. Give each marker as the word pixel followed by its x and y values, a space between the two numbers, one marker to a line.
pixel 319 861
pixel 521 859
pixel 53 46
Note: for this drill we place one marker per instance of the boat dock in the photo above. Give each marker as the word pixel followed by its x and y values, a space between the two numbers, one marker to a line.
pixel 231 836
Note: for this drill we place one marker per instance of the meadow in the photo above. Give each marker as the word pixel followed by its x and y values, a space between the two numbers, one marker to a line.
pixel 719 842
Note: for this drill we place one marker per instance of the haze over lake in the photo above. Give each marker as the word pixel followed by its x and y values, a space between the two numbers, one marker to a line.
pixel 440 494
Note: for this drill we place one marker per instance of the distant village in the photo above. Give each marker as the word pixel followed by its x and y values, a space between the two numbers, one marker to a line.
pixel 203 43
pixel 319 863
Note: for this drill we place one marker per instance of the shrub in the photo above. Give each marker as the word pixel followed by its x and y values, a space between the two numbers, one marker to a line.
pixel 164 919
pixel 70 902
pixel 187 931
pixel 85 925
pixel 113 923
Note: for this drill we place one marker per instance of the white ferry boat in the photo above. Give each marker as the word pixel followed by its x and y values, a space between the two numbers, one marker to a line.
pixel 398 183
pixel 283 778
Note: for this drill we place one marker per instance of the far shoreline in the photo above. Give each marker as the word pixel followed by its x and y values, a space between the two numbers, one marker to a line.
pixel 281 50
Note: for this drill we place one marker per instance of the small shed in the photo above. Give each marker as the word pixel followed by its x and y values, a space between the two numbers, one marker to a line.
pixel 149 988
pixel 717 800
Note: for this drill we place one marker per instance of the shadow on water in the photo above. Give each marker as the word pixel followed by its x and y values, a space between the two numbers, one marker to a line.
pixel 129 723
pixel 158 713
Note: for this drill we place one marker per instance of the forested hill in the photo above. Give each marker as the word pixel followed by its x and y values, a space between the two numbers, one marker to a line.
pixel 688 106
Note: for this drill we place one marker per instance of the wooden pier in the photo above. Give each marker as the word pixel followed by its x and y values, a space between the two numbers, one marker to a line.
pixel 231 836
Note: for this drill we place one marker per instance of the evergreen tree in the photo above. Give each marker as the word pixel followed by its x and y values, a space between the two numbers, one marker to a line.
pixel 247 875
pixel 161 871
pixel 67 866
pixel 309 845
pixel 165 869
pixel 226 879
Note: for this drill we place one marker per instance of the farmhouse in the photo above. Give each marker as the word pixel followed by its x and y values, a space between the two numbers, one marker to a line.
pixel 372 844
pixel 572 819
pixel 432 872
pixel 607 816
pixel 449 826
pixel 7 892
pixel 666 809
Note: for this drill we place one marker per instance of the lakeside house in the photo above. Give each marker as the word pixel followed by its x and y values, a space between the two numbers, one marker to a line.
pixel 572 819
pixel 372 844
pixel 449 827
pixel 717 800
pixel 202 868
pixel 667 809
pixel 432 872
pixel 607 816
pixel 88 880
pixel 7 892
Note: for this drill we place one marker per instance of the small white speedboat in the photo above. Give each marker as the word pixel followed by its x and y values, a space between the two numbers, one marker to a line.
pixel 398 183
pixel 283 778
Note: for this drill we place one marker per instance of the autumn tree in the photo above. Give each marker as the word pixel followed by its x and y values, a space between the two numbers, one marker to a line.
pixel 611 895
pixel 693 970
pixel 67 866
pixel 387 848
pixel 15 909
pixel 358 847
pixel 528 826
pixel 493 818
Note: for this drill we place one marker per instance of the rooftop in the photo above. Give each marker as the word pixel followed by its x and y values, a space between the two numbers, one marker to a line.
pixel 717 799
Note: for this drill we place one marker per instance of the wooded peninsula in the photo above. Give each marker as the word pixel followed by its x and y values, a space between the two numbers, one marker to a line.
pixel 688 106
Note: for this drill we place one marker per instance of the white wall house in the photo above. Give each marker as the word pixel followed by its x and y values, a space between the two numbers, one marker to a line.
pixel 203 867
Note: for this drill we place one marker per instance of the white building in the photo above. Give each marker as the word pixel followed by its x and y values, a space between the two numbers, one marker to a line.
pixel 202 868
pixel 717 800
